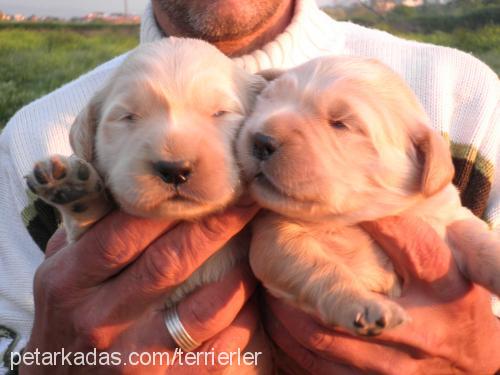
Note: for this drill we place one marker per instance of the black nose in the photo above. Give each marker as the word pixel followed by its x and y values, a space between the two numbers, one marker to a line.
pixel 173 172
pixel 263 146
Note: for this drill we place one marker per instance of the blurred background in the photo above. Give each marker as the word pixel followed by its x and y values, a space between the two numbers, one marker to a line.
pixel 44 44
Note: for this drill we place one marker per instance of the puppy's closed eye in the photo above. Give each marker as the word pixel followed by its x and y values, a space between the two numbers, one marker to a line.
pixel 121 113
pixel 220 113
pixel 130 117
pixel 337 124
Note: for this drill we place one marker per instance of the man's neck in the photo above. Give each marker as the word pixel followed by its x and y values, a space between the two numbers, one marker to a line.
pixel 233 48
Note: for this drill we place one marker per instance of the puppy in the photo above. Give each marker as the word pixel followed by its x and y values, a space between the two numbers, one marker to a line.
pixel 330 144
pixel 159 137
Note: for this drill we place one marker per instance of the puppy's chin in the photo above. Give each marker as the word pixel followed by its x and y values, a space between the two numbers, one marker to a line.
pixel 175 208
pixel 270 196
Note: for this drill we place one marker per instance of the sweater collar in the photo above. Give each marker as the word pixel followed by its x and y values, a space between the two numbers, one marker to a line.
pixel 311 33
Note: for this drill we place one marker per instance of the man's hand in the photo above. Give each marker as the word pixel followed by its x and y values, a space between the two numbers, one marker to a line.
pixel 107 290
pixel 452 331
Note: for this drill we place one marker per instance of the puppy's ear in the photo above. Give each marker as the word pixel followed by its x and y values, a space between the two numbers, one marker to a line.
pixel 257 84
pixel 248 92
pixel 83 129
pixel 270 74
pixel 435 156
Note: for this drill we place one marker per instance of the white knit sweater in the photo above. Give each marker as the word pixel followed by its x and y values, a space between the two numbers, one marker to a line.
pixel 460 94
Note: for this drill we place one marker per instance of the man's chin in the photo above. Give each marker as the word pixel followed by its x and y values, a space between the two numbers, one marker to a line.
pixel 221 20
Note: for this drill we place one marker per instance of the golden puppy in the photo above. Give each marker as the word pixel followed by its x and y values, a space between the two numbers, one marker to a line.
pixel 332 143
pixel 161 136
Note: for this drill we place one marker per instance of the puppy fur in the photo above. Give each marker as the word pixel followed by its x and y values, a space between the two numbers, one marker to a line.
pixel 330 144
pixel 177 100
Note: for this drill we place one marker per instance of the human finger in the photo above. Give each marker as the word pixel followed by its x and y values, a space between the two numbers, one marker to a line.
pixel 56 242
pixel 226 342
pixel 305 358
pixel 171 259
pixel 213 308
pixel 233 339
pixel 416 250
pixel 336 346
pixel 203 313
pixel 239 332
pixel 109 246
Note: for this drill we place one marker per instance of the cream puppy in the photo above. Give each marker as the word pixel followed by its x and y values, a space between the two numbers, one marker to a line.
pixel 332 143
pixel 160 138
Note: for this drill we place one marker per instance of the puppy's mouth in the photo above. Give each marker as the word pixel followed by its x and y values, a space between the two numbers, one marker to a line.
pixel 275 198
pixel 177 198
pixel 261 181
pixel 263 188
pixel 176 193
pixel 181 198
pixel 268 192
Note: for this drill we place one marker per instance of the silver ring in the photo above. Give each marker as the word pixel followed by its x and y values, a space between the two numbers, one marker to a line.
pixel 174 326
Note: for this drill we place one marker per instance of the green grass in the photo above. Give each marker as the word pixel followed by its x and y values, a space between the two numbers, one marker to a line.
pixel 35 61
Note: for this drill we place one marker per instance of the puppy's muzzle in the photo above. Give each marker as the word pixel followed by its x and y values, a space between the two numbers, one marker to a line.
pixel 173 172
pixel 263 146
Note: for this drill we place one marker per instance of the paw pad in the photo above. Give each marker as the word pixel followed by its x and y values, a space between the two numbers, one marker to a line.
pixel 61 180
pixel 83 172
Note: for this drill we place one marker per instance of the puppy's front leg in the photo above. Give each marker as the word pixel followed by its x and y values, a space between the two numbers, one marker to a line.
pixel 74 187
pixel 293 266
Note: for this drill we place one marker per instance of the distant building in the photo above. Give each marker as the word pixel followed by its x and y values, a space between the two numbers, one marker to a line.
pixel 116 18
pixel 18 17
pixel 122 18
pixel 411 3
pixel 89 17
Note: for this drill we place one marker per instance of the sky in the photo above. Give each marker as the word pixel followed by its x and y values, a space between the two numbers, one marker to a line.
pixel 69 8
pixel 72 8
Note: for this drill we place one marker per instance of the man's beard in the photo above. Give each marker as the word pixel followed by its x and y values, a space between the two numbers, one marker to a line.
pixel 209 22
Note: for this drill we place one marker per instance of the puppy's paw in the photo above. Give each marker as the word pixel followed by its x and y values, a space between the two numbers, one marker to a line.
pixel 66 182
pixel 370 316
pixel 377 315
